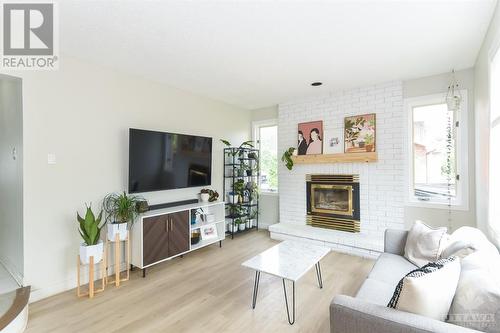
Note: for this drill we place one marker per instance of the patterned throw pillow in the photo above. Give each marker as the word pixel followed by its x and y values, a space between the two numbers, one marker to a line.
pixel 428 290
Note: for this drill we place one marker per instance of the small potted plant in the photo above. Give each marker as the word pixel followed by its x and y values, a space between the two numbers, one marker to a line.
pixel 239 189
pixel 120 210
pixel 241 170
pixel 253 218
pixel 240 224
pixel 90 230
pixel 204 195
pixel 253 190
pixel 232 197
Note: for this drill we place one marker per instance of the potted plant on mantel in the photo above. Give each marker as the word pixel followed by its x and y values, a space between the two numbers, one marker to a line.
pixel 120 209
pixel 90 230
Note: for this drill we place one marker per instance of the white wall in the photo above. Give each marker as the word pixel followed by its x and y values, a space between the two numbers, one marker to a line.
pixel 269 203
pixel 82 113
pixel 434 85
pixel 381 183
pixel 482 124
pixel 11 176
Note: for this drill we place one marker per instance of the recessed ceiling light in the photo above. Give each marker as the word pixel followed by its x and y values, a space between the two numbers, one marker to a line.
pixel 316 84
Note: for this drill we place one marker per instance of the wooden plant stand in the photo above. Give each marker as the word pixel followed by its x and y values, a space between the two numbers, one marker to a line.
pixel 91 291
pixel 117 243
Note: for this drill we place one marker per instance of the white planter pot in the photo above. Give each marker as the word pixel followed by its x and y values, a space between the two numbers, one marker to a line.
pixel 248 224
pixel 232 198
pixel 117 228
pixel 88 251
pixel 241 226
pixel 204 197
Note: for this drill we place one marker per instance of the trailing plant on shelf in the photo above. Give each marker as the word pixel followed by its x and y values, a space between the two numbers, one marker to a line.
pixel 90 231
pixel 287 158
pixel 244 145
pixel 239 188
pixel 252 189
pixel 120 209
pixel 235 211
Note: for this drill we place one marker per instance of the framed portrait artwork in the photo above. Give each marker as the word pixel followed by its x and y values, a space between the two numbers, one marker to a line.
pixel 333 141
pixel 310 138
pixel 359 133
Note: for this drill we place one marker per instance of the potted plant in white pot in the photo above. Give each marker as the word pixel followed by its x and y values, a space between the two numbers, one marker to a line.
pixel 232 197
pixel 240 224
pixel 204 194
pixel 253 218
pixel 120 210
pixel 90 230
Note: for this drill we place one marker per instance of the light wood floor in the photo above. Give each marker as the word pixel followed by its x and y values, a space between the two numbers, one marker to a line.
pixel 206 291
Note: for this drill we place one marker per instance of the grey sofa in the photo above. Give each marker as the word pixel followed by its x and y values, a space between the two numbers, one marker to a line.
pixel 368 311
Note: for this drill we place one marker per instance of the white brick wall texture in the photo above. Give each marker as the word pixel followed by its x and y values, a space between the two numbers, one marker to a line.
pixel 381 183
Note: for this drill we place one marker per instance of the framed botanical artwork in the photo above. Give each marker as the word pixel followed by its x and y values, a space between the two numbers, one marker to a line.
pixel 333 142
pixel 310 138
pixel 359 133
pixel 208 231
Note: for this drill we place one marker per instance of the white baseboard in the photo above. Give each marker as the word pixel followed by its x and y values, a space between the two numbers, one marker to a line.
pixel 67 284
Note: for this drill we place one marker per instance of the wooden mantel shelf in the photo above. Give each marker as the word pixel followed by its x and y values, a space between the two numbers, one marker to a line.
pixel 335 158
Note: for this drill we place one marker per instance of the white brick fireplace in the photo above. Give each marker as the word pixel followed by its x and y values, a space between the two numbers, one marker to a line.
pixel 381 182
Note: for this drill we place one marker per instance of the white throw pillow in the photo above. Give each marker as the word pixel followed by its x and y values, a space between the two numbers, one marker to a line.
pixel 466 240
pixel 428 291
pixel 477 300
pixel 424 244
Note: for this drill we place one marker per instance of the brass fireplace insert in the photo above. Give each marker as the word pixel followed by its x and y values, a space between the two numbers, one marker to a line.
pixel 333 202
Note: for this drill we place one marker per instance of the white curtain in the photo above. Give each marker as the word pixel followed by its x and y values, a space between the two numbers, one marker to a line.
pixel 494 155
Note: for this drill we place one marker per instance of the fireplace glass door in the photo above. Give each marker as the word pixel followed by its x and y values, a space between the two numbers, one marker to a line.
pixel 331 199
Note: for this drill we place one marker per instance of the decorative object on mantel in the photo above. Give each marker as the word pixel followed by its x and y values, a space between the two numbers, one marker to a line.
pixel 310 136
pixel 336 158
pixel 359 133
pixel 287 157
pixel 91 251
pixel 333 141
pixel 120 210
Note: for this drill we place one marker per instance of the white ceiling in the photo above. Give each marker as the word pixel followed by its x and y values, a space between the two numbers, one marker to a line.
pixel 259 53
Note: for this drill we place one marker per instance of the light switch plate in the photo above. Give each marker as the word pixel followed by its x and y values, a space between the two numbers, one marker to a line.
pixel 51 158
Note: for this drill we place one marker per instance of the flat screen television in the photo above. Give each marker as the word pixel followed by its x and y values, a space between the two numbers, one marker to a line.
pixel 164 161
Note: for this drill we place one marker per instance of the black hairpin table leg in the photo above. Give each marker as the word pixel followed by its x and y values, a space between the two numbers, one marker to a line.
pixel 255 289
pixel 290 320
pixel 318 274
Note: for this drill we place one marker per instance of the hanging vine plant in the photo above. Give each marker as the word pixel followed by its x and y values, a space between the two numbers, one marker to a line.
pixel 287 158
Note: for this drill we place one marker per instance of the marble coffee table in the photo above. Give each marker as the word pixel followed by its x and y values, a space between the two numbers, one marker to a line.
pixel 289 260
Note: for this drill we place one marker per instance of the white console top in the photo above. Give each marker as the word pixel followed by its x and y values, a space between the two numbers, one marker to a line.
pixel 174 209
